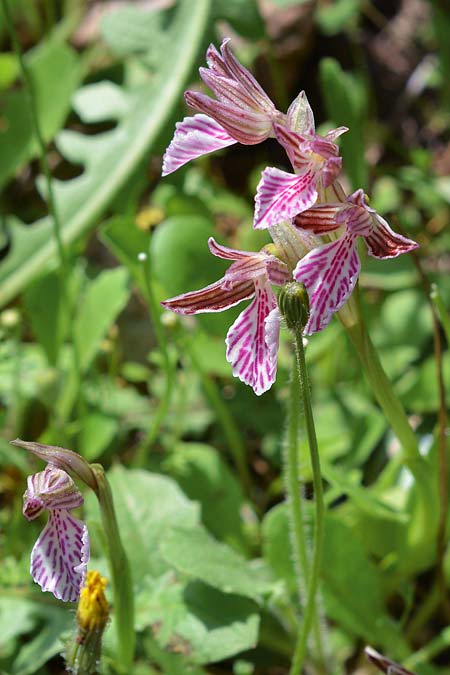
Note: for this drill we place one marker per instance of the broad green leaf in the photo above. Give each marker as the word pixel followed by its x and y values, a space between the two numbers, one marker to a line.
pixel 345 102
pixel 419 387
pixel 25 619
pixel 147 505
pixel 110 158
pixel 205 477
pixel 9 69
pixel 45 308
pixel 104 298
pixel 97 433
pixel 196 554
pixel 243 15
pixel 55 71
pixel 134 30
pixel 196 620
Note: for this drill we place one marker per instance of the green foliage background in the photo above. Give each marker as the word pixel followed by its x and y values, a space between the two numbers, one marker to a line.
pixel 194 458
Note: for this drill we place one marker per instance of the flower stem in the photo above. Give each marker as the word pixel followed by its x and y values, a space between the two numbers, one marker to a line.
pixel 301 375
pixel 119 570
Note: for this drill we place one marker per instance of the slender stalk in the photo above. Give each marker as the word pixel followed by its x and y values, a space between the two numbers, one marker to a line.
pixel 293 490
pixel 119 570
pixel 313 581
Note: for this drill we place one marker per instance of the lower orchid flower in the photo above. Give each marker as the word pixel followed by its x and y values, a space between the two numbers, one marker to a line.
pixel 252 340
pixel 60 555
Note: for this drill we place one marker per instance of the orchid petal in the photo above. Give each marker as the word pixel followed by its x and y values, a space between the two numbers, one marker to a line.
pixel 300 117
pixel 52 488
pixel 247 127
pixel 213 298
pixel 384 243
pixel 319 219
pixel 246 79
pixel 252 358
pixel 329 273
pixel 227 253
pixel 59 557
pixel 194 136
pixel 331 170
pixel 333 134
pixel 281 195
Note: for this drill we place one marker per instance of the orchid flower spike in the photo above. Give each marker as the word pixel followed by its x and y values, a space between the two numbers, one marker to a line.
pixel 60 555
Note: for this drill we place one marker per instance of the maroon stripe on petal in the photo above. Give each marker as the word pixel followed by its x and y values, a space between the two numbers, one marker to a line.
pixel 212 298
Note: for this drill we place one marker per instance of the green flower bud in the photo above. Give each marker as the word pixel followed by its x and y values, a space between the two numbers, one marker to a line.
pixel 293 303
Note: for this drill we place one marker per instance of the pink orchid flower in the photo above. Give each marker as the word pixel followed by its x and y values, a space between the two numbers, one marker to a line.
pixel 60 555
pixel 244 113
pixel 330 271
pixel 252 340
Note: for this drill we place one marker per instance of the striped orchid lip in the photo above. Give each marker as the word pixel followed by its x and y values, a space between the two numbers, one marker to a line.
pixel 60 555
pixel 282 195
pixel 252 340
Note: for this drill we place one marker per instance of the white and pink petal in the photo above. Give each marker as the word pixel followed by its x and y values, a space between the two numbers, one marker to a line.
pixel 194 136
pixel 254 359
pixel 329 273
pixel 281 196
pixel 60 556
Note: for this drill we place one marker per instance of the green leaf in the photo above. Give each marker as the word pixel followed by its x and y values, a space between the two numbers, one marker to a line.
pixel 9 69
pixel 134 30
pixel 204 477
pixel 110 158
pixel 334 17
pixel 104 298
pixel 147 505
pixel 97 433
pixel 125 240
pixel 243 15
pixel 196 554
pixel 345 102
pixel 196 620
pixel 55 72
pixel 45 306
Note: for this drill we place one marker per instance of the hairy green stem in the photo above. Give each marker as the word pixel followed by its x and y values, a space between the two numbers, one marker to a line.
pixel 314 574
pixel 119 570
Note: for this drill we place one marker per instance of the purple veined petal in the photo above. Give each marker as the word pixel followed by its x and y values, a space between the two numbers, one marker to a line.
pixel 385 664
pixel 60 556
pixel 50 489
pixel 300 117
pixel 333 134
pixel 245 126
pixel 226 90
pixel 277 271
pixel 215 62
pixel 329 273
pixel 246 79
pixel 251 357
pixel 323 147
pixel 227 253
pixel 281 195
pixel 272 325
pixel 320 219
pixel 296 146
pixel 213 298
pixel 194 136
pixel 331 170
pixel 384 243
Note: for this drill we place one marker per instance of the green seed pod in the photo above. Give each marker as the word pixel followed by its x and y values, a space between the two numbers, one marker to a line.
pixel 293 303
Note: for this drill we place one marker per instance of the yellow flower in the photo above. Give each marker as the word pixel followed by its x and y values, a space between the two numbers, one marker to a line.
pixel 93 608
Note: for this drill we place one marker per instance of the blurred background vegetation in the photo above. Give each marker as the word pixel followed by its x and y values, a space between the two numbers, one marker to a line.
pixel 89 362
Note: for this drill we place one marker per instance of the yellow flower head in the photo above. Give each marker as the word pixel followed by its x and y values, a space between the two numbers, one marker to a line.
pixel 93 608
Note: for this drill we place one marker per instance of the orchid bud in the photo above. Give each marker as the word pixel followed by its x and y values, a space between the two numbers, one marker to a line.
pixel 293 303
